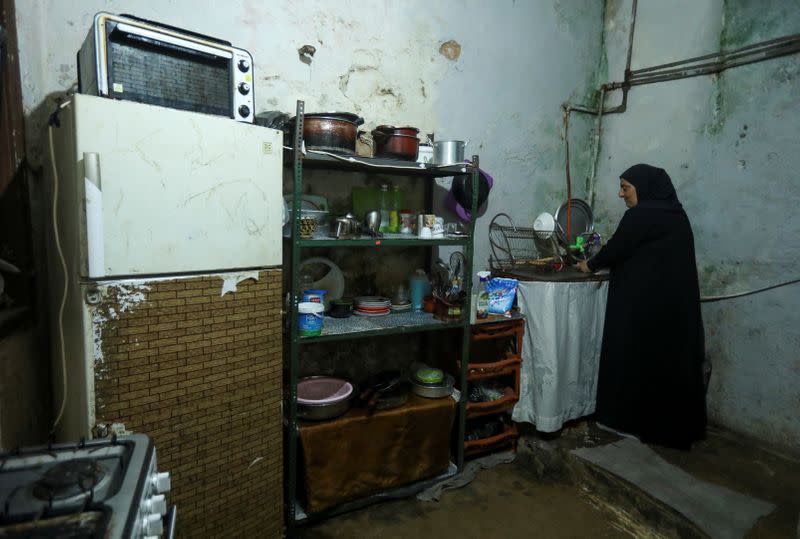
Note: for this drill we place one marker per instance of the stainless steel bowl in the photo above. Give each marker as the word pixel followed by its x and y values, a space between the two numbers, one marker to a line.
pixel 324 411
pixel 434 392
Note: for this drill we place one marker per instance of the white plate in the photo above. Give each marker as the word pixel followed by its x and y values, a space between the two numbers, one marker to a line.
pixel 359 313
pixel 372 299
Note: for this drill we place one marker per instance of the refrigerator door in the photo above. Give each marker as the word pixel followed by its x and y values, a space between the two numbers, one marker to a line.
pixel 164 191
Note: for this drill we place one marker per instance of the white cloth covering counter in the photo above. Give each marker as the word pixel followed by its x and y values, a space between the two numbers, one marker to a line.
pixel 561 351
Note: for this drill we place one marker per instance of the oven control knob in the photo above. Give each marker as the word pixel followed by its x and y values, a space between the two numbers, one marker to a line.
pixel 244 65
pixel 152 525
pixel 157 504
pixel 244 88
pixel 244 111
pixel 161 482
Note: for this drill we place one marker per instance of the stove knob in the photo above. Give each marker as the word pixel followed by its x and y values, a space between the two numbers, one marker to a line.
pixel 244 111
pixel 157 504
pixel 162 482
pixel 244 65
pixel 244 88
pixel 152 525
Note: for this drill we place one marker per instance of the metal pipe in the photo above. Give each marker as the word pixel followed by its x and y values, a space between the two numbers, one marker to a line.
pixel 709 70
pixel 773 51
pixel 598 126
pixel 775 41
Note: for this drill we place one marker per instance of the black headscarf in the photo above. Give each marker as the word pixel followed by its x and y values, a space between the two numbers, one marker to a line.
pixel 654 187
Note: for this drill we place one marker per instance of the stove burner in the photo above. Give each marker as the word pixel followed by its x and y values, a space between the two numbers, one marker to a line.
pixel 68 479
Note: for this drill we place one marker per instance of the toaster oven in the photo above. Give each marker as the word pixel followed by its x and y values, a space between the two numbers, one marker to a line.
pixel 125 57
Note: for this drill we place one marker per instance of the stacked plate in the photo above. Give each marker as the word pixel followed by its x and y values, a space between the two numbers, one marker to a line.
pixel 401 307
pixel 372 306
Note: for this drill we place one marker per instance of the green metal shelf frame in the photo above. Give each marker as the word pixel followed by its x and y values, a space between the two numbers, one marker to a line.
pixel 295 341
pixel 382 242
pixel 380 332
pixel 396 167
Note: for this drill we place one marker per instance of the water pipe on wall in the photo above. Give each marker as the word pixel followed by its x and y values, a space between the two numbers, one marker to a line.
pixel 706 64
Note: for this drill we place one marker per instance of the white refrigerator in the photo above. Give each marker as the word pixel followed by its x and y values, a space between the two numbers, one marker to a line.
pixel 165 287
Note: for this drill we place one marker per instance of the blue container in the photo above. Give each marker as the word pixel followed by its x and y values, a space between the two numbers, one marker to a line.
pixel 309 318
pixel 420 287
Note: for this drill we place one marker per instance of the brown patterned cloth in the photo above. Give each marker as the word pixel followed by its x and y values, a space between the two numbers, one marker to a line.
pixel 360 454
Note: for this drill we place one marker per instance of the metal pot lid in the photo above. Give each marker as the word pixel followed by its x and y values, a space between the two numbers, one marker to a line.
pixel 387 135
pixel 581 220
pixel 344 116
pixel 389 128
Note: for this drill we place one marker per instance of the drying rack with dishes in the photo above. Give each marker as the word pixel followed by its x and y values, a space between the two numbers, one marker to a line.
pixel 554 242
pixel 374 317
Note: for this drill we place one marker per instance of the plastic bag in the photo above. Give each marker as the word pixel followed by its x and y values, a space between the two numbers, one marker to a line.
pixel 502 292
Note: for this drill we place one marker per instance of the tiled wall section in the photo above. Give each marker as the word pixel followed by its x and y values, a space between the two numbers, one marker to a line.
pixel 201 374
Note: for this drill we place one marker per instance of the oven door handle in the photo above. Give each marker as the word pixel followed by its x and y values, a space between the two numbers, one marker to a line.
pixel 167 38
pixel 169 524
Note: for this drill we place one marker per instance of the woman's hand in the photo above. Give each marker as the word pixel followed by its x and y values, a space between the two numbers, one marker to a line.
pixel 583 266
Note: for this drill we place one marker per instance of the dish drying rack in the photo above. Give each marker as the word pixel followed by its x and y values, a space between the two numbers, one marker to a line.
pixel 516 247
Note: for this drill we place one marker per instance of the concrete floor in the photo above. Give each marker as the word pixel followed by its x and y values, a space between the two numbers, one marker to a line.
pixel 547 493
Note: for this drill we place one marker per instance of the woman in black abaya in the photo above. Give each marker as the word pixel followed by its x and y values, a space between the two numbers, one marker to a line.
pixel 651 363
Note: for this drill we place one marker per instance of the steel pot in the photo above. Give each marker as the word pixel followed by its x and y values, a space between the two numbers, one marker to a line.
pixel 395 145
pixel 445 389
pixel 448 152
pixel 328 131
pixel 346 226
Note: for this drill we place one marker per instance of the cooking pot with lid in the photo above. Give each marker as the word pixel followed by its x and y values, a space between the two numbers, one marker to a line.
pixel 327 131
pixel 396 142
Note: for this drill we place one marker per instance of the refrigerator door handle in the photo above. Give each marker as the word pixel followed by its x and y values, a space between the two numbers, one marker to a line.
pixel 93 208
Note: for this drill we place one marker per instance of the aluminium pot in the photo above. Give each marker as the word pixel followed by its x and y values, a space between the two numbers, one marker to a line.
pixel 445 389
pixel 448 152
pixel 328 131
pixel 396 145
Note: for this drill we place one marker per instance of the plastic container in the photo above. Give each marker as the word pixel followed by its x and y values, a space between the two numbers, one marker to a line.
pixel 482 301
pixel 314 296
pixel 385 205
pixel 309 318
pixel 407 219
pixel 394 209
pixel 420 287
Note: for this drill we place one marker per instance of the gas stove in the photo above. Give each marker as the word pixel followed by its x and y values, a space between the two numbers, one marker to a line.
pixel 104 488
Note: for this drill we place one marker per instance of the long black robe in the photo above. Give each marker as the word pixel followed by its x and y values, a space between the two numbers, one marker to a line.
pixel 651 363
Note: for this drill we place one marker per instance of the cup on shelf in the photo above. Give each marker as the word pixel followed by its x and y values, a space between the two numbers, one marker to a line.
pixel 425 233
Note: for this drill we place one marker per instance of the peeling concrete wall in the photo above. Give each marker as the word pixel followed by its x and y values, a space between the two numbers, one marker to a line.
pixel 494 73
pixel 730 143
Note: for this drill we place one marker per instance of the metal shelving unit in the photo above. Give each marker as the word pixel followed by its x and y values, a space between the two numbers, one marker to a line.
pixel 368 327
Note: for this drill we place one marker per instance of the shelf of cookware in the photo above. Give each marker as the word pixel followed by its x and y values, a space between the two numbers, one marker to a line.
pixel 358 327
pixel 388 240
pixel 396 167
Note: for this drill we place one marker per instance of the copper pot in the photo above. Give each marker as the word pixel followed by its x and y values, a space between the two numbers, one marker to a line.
pixel 392 130
pixel 396 142
pixel 329 131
